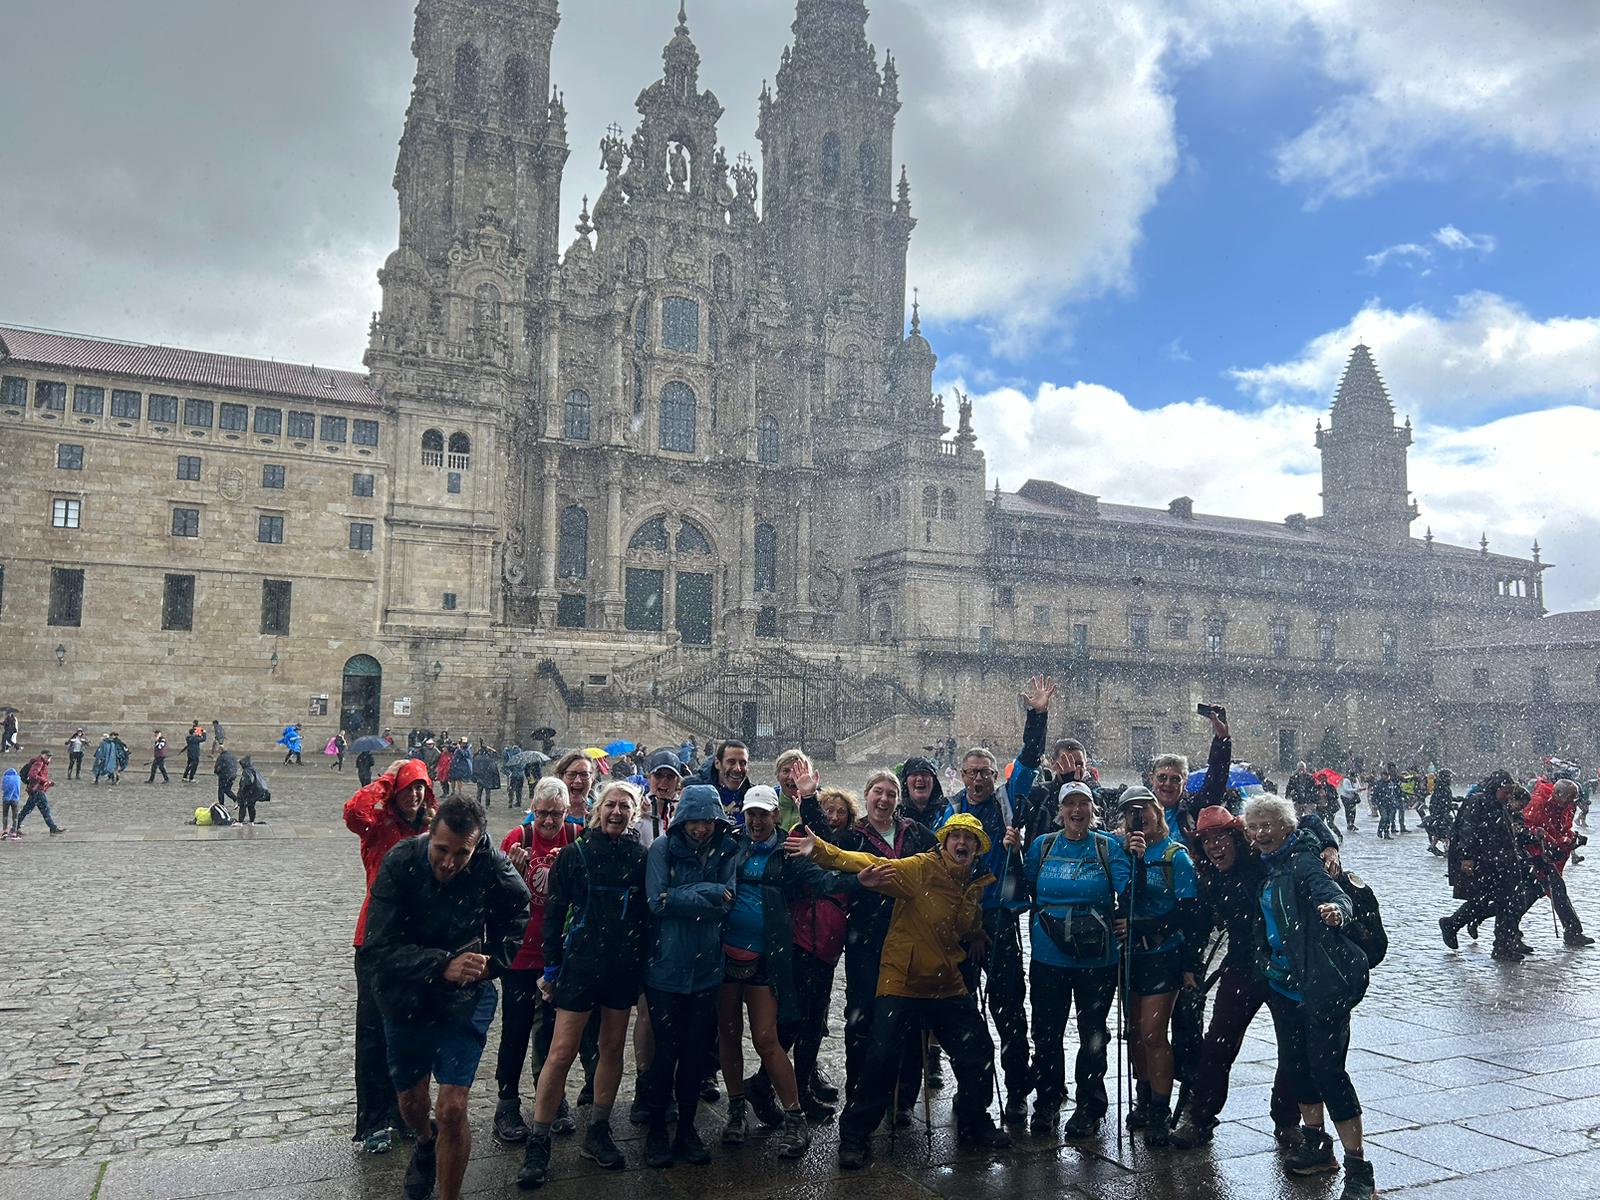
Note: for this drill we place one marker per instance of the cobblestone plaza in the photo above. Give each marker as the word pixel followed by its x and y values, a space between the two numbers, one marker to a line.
pixel 177 1024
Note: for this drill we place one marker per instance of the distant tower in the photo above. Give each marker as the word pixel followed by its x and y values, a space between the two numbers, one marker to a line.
pixel 827 135
pixel 1364 489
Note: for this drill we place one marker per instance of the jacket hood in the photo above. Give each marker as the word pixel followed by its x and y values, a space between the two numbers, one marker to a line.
pixel 916 766
pixel 246 764
pixel 414 770
pixel 699 802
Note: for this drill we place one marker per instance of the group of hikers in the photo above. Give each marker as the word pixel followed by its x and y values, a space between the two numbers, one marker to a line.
pixel 685 909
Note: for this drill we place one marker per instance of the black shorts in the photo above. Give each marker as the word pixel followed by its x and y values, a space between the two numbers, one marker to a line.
pixel 585 993
pixel 759 977
pixel 1155 974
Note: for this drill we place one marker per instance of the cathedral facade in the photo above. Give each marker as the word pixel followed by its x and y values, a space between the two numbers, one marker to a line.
pixel 685 474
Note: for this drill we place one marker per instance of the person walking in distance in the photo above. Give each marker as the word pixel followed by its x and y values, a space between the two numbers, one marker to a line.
pixel 75 747
pixel 10 802
pixel 8 732
pixel 446 917
pixel 192 741
pixel 36 779
pixel 394 807
pixel 158 759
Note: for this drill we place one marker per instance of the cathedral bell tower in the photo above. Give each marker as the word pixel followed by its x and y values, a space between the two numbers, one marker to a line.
pixel 1364 489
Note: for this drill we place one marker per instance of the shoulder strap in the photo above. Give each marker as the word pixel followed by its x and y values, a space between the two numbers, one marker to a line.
pixel 1103 853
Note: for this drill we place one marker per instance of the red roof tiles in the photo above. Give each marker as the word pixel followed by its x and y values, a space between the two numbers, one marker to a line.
pixel 167 364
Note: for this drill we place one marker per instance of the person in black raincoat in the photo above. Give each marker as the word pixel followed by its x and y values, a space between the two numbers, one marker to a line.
pixel 922 797
pixel 226 770
pixel 1441 813
pixel 192 741
pixel 1316 974
pixel 252 791
pixel 595 926
pixel 1488 869
pixel 446 916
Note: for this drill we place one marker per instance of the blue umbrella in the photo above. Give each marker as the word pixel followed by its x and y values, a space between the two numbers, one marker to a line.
pixel 620 748
pixel 1238 777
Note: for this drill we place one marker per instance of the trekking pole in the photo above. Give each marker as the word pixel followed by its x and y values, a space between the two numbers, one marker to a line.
pixel 927 1098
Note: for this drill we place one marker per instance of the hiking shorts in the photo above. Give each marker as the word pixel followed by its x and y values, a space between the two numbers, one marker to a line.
pixel 448 1050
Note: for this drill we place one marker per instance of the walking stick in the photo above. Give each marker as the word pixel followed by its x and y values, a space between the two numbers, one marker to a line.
pixel 927 1099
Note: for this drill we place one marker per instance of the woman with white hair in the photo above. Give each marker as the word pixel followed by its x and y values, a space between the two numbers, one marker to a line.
pixel 1316 975
pixel 592 962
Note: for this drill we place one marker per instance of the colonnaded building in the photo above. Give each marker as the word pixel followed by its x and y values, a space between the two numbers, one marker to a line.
pixel 687 476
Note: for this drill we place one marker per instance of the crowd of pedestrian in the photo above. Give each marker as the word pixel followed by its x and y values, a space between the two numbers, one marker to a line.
pixel 708 912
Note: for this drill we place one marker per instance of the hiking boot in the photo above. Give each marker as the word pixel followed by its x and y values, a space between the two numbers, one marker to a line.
pixel 823 1088
pixel 1472 930
pixel 586 1094
pixel 794 1139
pixel 509 1127
pixel 658 1143
pixel 599 1148
pixel 1082 1125
pixel 763 1100
pixel 564 1125
pixel 709 1092
pixel 1139 1111
pixel 1016 1109
pixel 1044 1119
pixel 688 1146
pixel 1191 1134
pixel 1507 954
pixel 983 1132
pixel 639 1110
pixel 933 1078
pixel 854 1155
pixel 1358 1181
pixel 421 1172
pixel 737 1131
pixel 378 1142
pixel 1579 939
pixel 1287 1137
pixel 1448 932
pixel 899 1118
pixel 816 1111
pixel 1158 1133
pixel 1315 1155
pixel 535 1167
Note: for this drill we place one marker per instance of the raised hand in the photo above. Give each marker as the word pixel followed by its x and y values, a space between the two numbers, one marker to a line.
pixel 1038 693
pixel 801 843
pixel 806 779
pixel 878 876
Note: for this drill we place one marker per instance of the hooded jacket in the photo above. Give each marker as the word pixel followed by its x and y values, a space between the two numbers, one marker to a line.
pixel 227 767
pixel 371 817
pixel 1326 968
pixel 192 741
pixel 935 914
pixel 599 882
pixel 11 787
pixel 686 886
pixel 1550 821
pixel 290 739
pixel 461 765
pixel 105 758
pixel 416 925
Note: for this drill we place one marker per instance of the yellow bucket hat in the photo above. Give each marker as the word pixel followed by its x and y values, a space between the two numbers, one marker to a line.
pixel 969 823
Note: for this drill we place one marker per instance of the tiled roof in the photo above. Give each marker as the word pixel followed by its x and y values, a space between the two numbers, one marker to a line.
pixel 1313 535
pixel 1558 630
pixel 169 365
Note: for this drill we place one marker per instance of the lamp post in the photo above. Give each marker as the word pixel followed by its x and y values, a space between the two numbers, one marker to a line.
pixel 61 655
pixel 272 663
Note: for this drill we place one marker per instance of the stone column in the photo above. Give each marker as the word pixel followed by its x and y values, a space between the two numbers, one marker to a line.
pixel 549 536
pixel 619 410
pixel 611 597
pixel 552 373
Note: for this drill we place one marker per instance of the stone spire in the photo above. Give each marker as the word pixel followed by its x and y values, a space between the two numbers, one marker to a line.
pixel 1362 398
pixel 681 59
pixel 1364 490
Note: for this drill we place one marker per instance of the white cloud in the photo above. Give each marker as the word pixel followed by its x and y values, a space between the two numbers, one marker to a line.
pixel 1404 251
pixel 1432 74
pixel 1452 238
pixel 1418 255
pixel 1487 353
pixel 1517 479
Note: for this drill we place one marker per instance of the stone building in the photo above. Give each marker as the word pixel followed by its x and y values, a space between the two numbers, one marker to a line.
pixel 688 475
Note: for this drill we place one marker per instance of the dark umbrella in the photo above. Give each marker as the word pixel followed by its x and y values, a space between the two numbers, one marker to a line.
pixel 541 734
pixel 527 758
pixel 371 744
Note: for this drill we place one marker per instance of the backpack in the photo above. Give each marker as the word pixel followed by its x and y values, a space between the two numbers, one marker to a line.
pixel 1365 927
pixel 30 771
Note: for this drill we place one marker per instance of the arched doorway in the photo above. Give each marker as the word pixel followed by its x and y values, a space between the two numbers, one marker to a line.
pixel 361 705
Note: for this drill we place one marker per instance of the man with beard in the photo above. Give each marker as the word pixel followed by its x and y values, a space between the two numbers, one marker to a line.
pixel 446 915
pixel 729 773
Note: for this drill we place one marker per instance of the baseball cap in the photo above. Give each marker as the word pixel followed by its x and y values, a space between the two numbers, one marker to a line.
pixel 761 797
pixel 1074 788
pixel 664 760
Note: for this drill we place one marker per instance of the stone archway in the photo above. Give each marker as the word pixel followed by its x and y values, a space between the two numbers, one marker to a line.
pixel 361 698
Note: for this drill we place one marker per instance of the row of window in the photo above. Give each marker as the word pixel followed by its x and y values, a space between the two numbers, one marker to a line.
pixel 678 417
pixel 572 546
pixel 69 457
pixel 196 414
pixel 66 513
pixel 177 601
pixel 638 268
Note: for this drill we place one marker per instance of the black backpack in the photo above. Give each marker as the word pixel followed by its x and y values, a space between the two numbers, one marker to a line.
pixel 1365 927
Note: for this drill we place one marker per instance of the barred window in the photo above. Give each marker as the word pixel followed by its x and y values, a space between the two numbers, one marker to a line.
pixel 360 535
pixel 272 475
pixel 678 417
pixel 303 425
pixel 333 429
pixel 572 551
pixel 276 599
pixel 47 393
pixel 189 467
pixel 766 558
pixel 767 439
pixel 269 530
pixel 186 522
pixel 91 401
pixel 66 596
pixel 234 418
pixel 163 409
pixel 177 603
pixel 14 390
pixel 69 457
pixel 680 324
pixel 361 484
pixel 197 413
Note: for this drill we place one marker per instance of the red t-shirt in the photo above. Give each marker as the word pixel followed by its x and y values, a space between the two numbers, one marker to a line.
pixel 541 857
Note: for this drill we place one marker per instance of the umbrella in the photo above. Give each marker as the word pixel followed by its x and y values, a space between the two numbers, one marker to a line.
pixel 1238 777
pixel 594 752
pixel 527 758
pixel 620 747
pixel 1328 776
pixel 371 744
pixel 541 734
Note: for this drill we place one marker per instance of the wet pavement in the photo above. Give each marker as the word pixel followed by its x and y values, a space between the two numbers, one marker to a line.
pixel 176 1025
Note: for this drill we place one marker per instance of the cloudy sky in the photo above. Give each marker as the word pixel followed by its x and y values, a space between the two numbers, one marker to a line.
pixel 1150 230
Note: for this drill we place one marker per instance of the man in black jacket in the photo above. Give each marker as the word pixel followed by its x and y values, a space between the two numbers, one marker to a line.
pixel 447 914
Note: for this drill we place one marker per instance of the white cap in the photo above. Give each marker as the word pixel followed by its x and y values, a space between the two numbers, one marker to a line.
pixel 1074 787
pixel 761 797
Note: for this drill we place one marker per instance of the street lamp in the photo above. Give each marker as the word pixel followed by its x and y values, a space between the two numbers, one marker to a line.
pixel 273 662
pixel 438 669
pixel 61 655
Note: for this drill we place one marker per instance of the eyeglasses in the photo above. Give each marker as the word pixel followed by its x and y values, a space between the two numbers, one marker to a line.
pixel 548 814
pixel 980 772
pixel 1169 778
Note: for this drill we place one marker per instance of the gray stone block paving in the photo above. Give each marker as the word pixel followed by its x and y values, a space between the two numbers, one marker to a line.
pixel 178 1006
